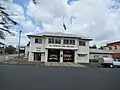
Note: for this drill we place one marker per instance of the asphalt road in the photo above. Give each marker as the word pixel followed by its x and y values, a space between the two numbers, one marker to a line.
pixel 23 77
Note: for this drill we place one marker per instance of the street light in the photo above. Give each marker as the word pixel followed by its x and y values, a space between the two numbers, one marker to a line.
pixel 19 44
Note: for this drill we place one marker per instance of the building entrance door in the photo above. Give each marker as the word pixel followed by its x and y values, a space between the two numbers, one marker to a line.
pixel 53 55
pixel 68 56
pixel 37 56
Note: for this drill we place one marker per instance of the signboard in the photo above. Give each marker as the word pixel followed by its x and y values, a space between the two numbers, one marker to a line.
pixel 53 57
pixel 67 57
pixel 38 49
pixel 70 46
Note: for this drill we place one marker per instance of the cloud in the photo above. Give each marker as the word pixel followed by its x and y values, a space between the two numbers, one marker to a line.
pixel 47 10
pixel 98 19
pixel 16 12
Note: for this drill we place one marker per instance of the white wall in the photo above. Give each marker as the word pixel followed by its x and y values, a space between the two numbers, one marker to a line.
pixel 96 56
pixel 26 50
pixel 97 53
pixel 83 50
pixel 84 59
pixel 31 56
pixel 34 46
pixel 45 46
pixel 61 53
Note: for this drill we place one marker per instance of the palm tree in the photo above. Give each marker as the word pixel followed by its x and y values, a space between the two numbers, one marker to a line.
pixel 5 21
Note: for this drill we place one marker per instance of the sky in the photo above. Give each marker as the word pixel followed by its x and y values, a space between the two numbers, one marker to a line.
pixel 96 19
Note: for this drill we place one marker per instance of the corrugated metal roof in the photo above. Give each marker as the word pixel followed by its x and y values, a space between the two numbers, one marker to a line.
pixel 55 34
pixel 59 34
pixel 113 43
pixel 99 51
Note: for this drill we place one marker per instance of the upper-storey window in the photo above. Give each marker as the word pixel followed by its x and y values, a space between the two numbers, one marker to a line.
pixel 51 40
pixel 72 42
pixel 54 40
pixel 110 48
pixel 115 47
pixel 57 41
pixel 38 40
pixel 82 43
pixel 66 41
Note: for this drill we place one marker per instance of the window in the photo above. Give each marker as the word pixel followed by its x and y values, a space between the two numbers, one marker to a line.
pixel 81 55
pixel 115 47
pixel 105 56
pixel 54 40
pixel 96 56
pixel 115 60
pixel 38 40
pixel 110 48
pixel 51 40
pixel 66 41
pixel 72 42
pixel 118 60
pixel 57 41
pixel 81 43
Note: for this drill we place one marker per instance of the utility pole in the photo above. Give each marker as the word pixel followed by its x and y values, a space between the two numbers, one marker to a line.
pixel 19 44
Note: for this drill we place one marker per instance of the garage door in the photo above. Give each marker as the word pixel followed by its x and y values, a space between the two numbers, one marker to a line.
pixel 53 55
pixel 68 56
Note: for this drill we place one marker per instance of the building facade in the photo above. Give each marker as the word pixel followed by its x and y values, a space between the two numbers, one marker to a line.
pixel 95 54
pixel 58 47
pixel 113 47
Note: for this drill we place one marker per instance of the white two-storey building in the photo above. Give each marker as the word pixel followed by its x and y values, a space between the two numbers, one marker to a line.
pixel 58 47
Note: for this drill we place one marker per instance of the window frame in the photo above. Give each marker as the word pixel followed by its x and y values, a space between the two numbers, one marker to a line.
pixel 72 42
pixel 110 48
pixel 54 40
pixel 66 41
pixel 51 40
pixel 57 41
pixel 82 43
pixel 38 40
pixel 69 41
pixel 115 47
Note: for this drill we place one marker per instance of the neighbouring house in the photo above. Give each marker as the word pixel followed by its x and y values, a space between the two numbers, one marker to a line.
pixel 95 54
pixel 22 49
pixel 58 47
pixel 113 47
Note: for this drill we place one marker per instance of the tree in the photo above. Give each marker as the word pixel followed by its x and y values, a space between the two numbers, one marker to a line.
pixel 93 47
pixel 35 1
pixel 6 23
pixel 101 47
pixel 10 49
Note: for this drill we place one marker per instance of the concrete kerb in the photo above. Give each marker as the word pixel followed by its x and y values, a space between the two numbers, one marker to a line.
pixel 90 64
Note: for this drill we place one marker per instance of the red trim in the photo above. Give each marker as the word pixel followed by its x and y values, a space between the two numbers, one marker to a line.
pixel 116 55
pixel 113 43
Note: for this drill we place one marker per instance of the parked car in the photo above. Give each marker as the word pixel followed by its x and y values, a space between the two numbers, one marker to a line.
pixel 109 62
pixel 116 62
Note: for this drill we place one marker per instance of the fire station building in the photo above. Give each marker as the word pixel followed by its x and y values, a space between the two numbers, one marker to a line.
pixel 58 47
